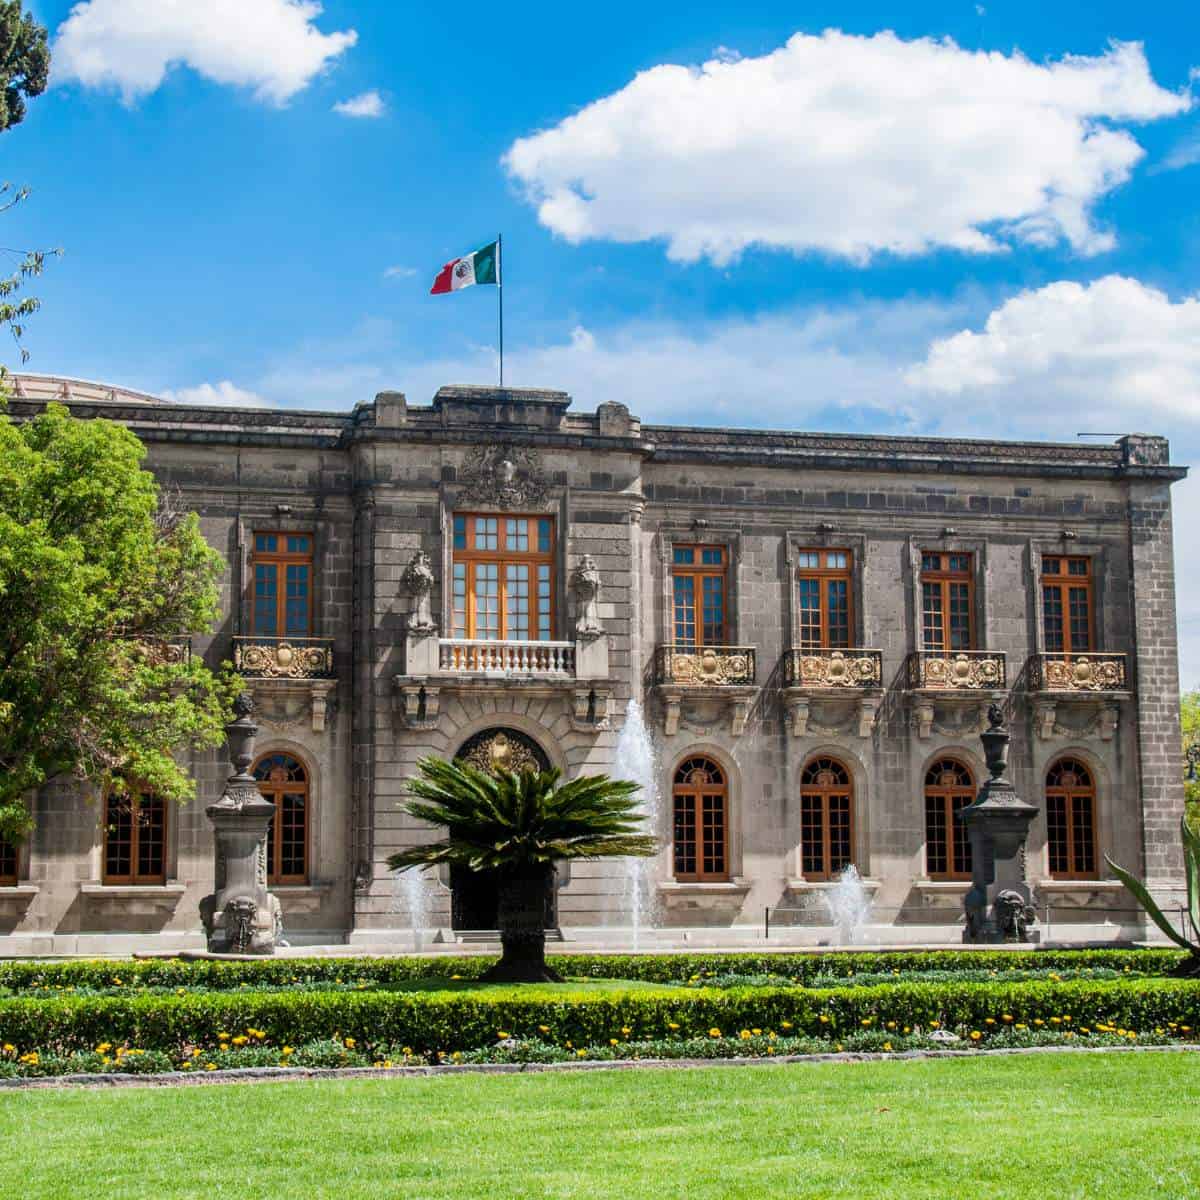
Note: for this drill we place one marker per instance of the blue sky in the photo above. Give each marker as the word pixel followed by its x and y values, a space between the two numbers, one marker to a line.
pixel 764 214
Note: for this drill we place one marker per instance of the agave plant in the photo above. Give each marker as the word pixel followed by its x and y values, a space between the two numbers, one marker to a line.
pixel 1191 870
pixel 520 825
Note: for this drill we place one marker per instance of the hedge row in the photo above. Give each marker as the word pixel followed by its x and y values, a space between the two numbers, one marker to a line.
pixel 23 974
pixel 429 1022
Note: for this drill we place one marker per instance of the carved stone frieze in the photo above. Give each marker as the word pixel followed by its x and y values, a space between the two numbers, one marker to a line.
pixel 1061 719
pixel 854 714
pixel 503 476
pixel 290 704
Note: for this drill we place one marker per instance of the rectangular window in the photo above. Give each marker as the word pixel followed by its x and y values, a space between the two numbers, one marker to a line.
pixel 281 570
pixel 502 583
pixel 1067 604
pixel 700 837
pixel 8 864
pixel 134 839
pixel 823 583
pixel 947 621
pixel 824 835
pixel 698 575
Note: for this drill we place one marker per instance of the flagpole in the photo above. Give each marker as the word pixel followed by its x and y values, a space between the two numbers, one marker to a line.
pixel 500 298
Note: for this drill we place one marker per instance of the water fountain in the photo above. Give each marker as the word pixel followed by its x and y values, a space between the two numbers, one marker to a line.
pixel 849 904
pixel 634 761
pixel 414 888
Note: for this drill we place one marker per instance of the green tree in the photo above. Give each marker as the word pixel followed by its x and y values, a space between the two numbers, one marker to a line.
pixel 1189 712
pixel 520 825
pixel 24 61
pixel 98 569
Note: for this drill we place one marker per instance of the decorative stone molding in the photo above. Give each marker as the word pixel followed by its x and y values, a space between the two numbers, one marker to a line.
pixel 735 701
pixel 961 670
pixel 950 714
pixel 590 711
pixel 1052 718
pixel 416 703
pixel 283 658
pixel 813 714
pixel 705 666
pixel 503 476
pixel 849 668
pixel 287 704
pixel 417 582
pixel 1084 673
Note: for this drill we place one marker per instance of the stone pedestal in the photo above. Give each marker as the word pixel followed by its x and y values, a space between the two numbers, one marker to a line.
pixel 999 905
pixel 241 916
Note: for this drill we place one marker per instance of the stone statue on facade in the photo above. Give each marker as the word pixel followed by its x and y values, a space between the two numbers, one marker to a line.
pixel 585 587
pixel 417 581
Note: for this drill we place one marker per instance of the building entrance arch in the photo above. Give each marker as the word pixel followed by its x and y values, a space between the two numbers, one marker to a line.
pixel 474 895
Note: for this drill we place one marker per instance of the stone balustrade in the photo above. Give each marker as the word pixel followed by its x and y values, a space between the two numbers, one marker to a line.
pixel 957 670
pixel 1079 673
pixel 705 666
pixel 848 668
pixel 533 660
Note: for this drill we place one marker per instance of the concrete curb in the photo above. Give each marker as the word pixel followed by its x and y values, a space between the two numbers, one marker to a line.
pixel 296 1074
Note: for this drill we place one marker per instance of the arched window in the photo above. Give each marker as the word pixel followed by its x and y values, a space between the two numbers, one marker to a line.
pixel 1071 820
pixel 8 864
pixel 826 804
pixel 135 839
pixel 284 781
pixel 949 787
pixel 701 800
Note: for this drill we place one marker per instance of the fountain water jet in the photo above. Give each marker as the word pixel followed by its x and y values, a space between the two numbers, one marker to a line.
pixel 415 890
pixel 634 761
pixel 849 903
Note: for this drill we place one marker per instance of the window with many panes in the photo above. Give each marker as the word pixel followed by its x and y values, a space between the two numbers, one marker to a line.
pixel 503 578
pixel 281 571
pixel 284 781
pixel 8 864
pixel 823 592
pixel 135 839
pixel 947 621
pixel 701 809
pixel 826 807
pixel 1070 820
pixel 1067 604
pixel 949 788
pixel 698 582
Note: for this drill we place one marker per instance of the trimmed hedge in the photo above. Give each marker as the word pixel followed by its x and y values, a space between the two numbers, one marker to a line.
pixel 26 974
pixel 429 1022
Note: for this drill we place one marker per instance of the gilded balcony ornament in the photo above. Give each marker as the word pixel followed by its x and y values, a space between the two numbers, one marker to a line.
pixel 707 665
pixel 1087 673
pixel 166 652
pixel 835 669
pixel 967 670
pixel 282 658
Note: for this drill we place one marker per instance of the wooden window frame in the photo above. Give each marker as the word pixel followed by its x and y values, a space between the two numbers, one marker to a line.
pixel 1069 796
pixel 275 792
pixel 824 793
pixel 10 863
pixel 945 795
pixel 944 578
pixel 698 572
pixel 693 795
pixel 822 575
pixel 470 556
pixel 281 560
pixel 1062 582
pixel 135 877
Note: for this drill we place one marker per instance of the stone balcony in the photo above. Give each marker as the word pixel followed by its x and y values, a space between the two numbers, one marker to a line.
pixel 499 665
pixel 949 690
pixel 288 677
pixel 168 651
pixel 1077 695
pixel 706 679
pixel 829 692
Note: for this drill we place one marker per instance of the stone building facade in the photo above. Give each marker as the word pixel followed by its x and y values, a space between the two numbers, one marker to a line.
pixel 813 626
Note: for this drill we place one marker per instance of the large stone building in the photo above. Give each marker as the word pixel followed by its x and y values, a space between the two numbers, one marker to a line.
pixel 814 626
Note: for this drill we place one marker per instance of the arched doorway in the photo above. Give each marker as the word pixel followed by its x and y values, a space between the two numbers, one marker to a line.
pixel 474 894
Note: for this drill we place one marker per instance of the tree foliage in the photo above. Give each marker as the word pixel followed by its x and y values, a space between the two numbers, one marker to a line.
pixel 24 61
pixel 1189 711
pixel 512 821
pixel 97 568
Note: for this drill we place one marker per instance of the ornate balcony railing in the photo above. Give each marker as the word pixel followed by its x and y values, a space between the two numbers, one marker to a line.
pixel 167 652
pixel 957 670
pixel 705 665
pixel 849 668
pixel 532 660
pixel 283 657
pixel 1079 673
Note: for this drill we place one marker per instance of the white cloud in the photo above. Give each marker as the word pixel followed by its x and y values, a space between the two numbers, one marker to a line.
pixel 399 272
pixel 272 46
pixel 1112 354
pixel 366 104
pixel 848 145
pixel 1185 153
pixel 225 394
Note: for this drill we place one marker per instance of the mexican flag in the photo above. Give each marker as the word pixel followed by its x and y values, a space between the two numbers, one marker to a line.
pixel 481 267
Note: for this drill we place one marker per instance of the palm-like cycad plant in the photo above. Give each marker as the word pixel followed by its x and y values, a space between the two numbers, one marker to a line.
pixel 520 825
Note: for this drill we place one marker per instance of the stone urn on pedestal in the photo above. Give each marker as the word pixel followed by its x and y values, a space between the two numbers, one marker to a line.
pixel 1000 903
pixel 241 916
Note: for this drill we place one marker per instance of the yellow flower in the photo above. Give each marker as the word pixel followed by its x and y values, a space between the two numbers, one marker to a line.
pixel 988 1021
pixel 891 1024
pixel 823 1019
pixel 626 1030
pixel 543 1029
pixel 613 1042
pixel 1038 1021
pixel 103 1048
pixel 287 1051
pixel 887 1045
pixel 580 1053
pixel 672 1025
pixel 455 976
pixel 502 1033
pixel 9 1047
pixel 785 1024
pixel 975 1035
pixel 240 1040
pixel 756 1032
pixel 1006 1017
pixel 407 1051
pixel 865 1022
pixel 223 1037
pixel 714 1032
pixel 349 1043
pixel 210 1066
pixel 744 1035
pixel 934 1024
pixel 839 1047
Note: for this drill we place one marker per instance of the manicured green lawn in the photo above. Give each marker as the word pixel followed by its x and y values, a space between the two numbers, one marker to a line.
pixel 1061 1126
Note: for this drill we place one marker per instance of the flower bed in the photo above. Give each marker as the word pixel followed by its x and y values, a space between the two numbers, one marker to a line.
pixel 375 1022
